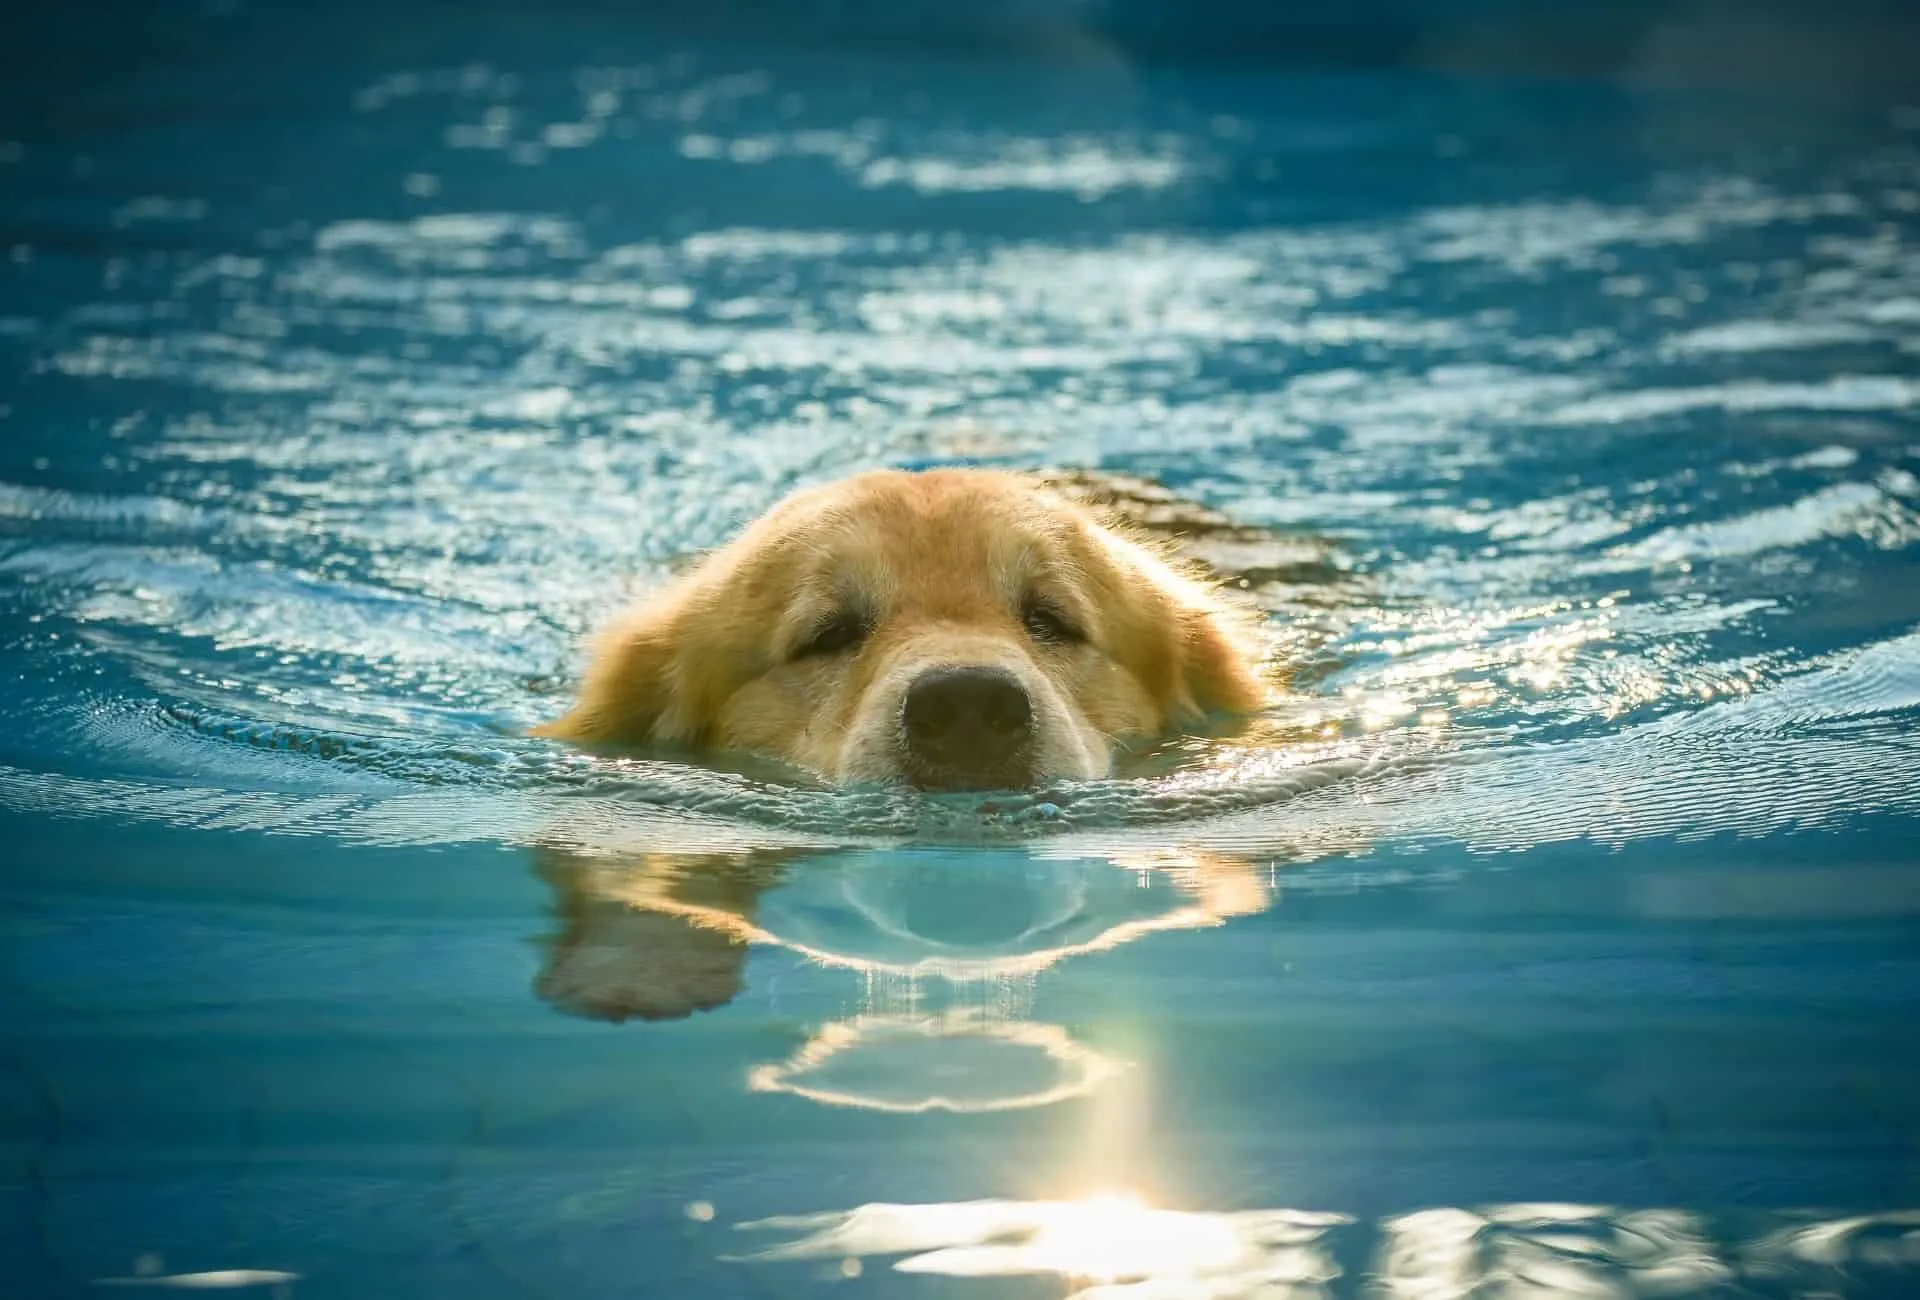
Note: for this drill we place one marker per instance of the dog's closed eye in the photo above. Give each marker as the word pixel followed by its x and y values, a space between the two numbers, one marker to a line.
pixel 839 631
pixel 1048 624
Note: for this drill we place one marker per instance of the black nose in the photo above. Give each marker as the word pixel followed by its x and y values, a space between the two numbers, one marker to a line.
pixel 968 729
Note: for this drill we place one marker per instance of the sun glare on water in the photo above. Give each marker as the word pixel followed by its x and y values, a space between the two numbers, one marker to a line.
pixel 1111 1236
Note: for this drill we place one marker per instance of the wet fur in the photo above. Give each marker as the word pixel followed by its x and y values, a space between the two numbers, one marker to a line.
pixel 942 566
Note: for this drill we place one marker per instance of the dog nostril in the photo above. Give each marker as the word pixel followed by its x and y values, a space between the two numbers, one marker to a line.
pixel 968 721
pixel 1004 707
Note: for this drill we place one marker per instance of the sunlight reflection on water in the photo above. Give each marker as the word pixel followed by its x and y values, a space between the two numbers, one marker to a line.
pixel 1111 1245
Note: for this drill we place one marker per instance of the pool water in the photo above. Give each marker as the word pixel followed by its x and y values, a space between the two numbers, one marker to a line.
pixel 349 373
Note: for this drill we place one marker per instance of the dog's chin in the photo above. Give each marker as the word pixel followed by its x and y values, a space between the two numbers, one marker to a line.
pixel 932 779
pixel 888 765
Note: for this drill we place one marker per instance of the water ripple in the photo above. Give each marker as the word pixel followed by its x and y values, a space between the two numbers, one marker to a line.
pixel 1606 497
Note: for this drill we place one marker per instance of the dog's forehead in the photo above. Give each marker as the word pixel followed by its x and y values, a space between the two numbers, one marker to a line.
pixel 957 534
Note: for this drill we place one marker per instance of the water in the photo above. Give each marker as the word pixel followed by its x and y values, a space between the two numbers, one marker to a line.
pixel 1567 948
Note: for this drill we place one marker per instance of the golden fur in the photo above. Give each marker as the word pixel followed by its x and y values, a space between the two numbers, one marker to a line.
pixel 801 638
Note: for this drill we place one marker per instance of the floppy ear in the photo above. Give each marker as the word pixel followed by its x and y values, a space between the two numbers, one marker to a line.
pixel 658 673
pixel 629 684
pixel 1214 666
pixel 1186 645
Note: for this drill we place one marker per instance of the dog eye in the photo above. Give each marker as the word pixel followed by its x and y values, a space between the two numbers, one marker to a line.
pixel 841 632
pixel 1048 624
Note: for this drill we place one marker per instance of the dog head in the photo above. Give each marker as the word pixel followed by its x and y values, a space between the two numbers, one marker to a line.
pixel 952 629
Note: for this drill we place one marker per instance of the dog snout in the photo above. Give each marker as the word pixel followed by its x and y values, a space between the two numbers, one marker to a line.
pixel 968 728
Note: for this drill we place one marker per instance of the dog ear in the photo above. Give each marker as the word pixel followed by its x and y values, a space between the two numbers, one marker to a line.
pixel 628 688
pixel 1214 665
pixel 1192 650
pixel 659 673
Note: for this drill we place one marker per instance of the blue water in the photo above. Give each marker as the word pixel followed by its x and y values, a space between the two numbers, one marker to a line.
pixel 351 369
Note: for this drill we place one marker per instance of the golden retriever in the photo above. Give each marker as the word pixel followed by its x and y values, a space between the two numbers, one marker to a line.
pixel 949 629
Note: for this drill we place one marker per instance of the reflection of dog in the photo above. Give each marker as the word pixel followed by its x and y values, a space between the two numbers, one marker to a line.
pixel 652 937
pixel 952 629
pixel 657 936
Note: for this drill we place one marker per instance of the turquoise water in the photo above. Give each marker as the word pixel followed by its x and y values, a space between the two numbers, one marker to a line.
pixel 1566 948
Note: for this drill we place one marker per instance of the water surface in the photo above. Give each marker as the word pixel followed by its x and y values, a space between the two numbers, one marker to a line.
pixel 1567 948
